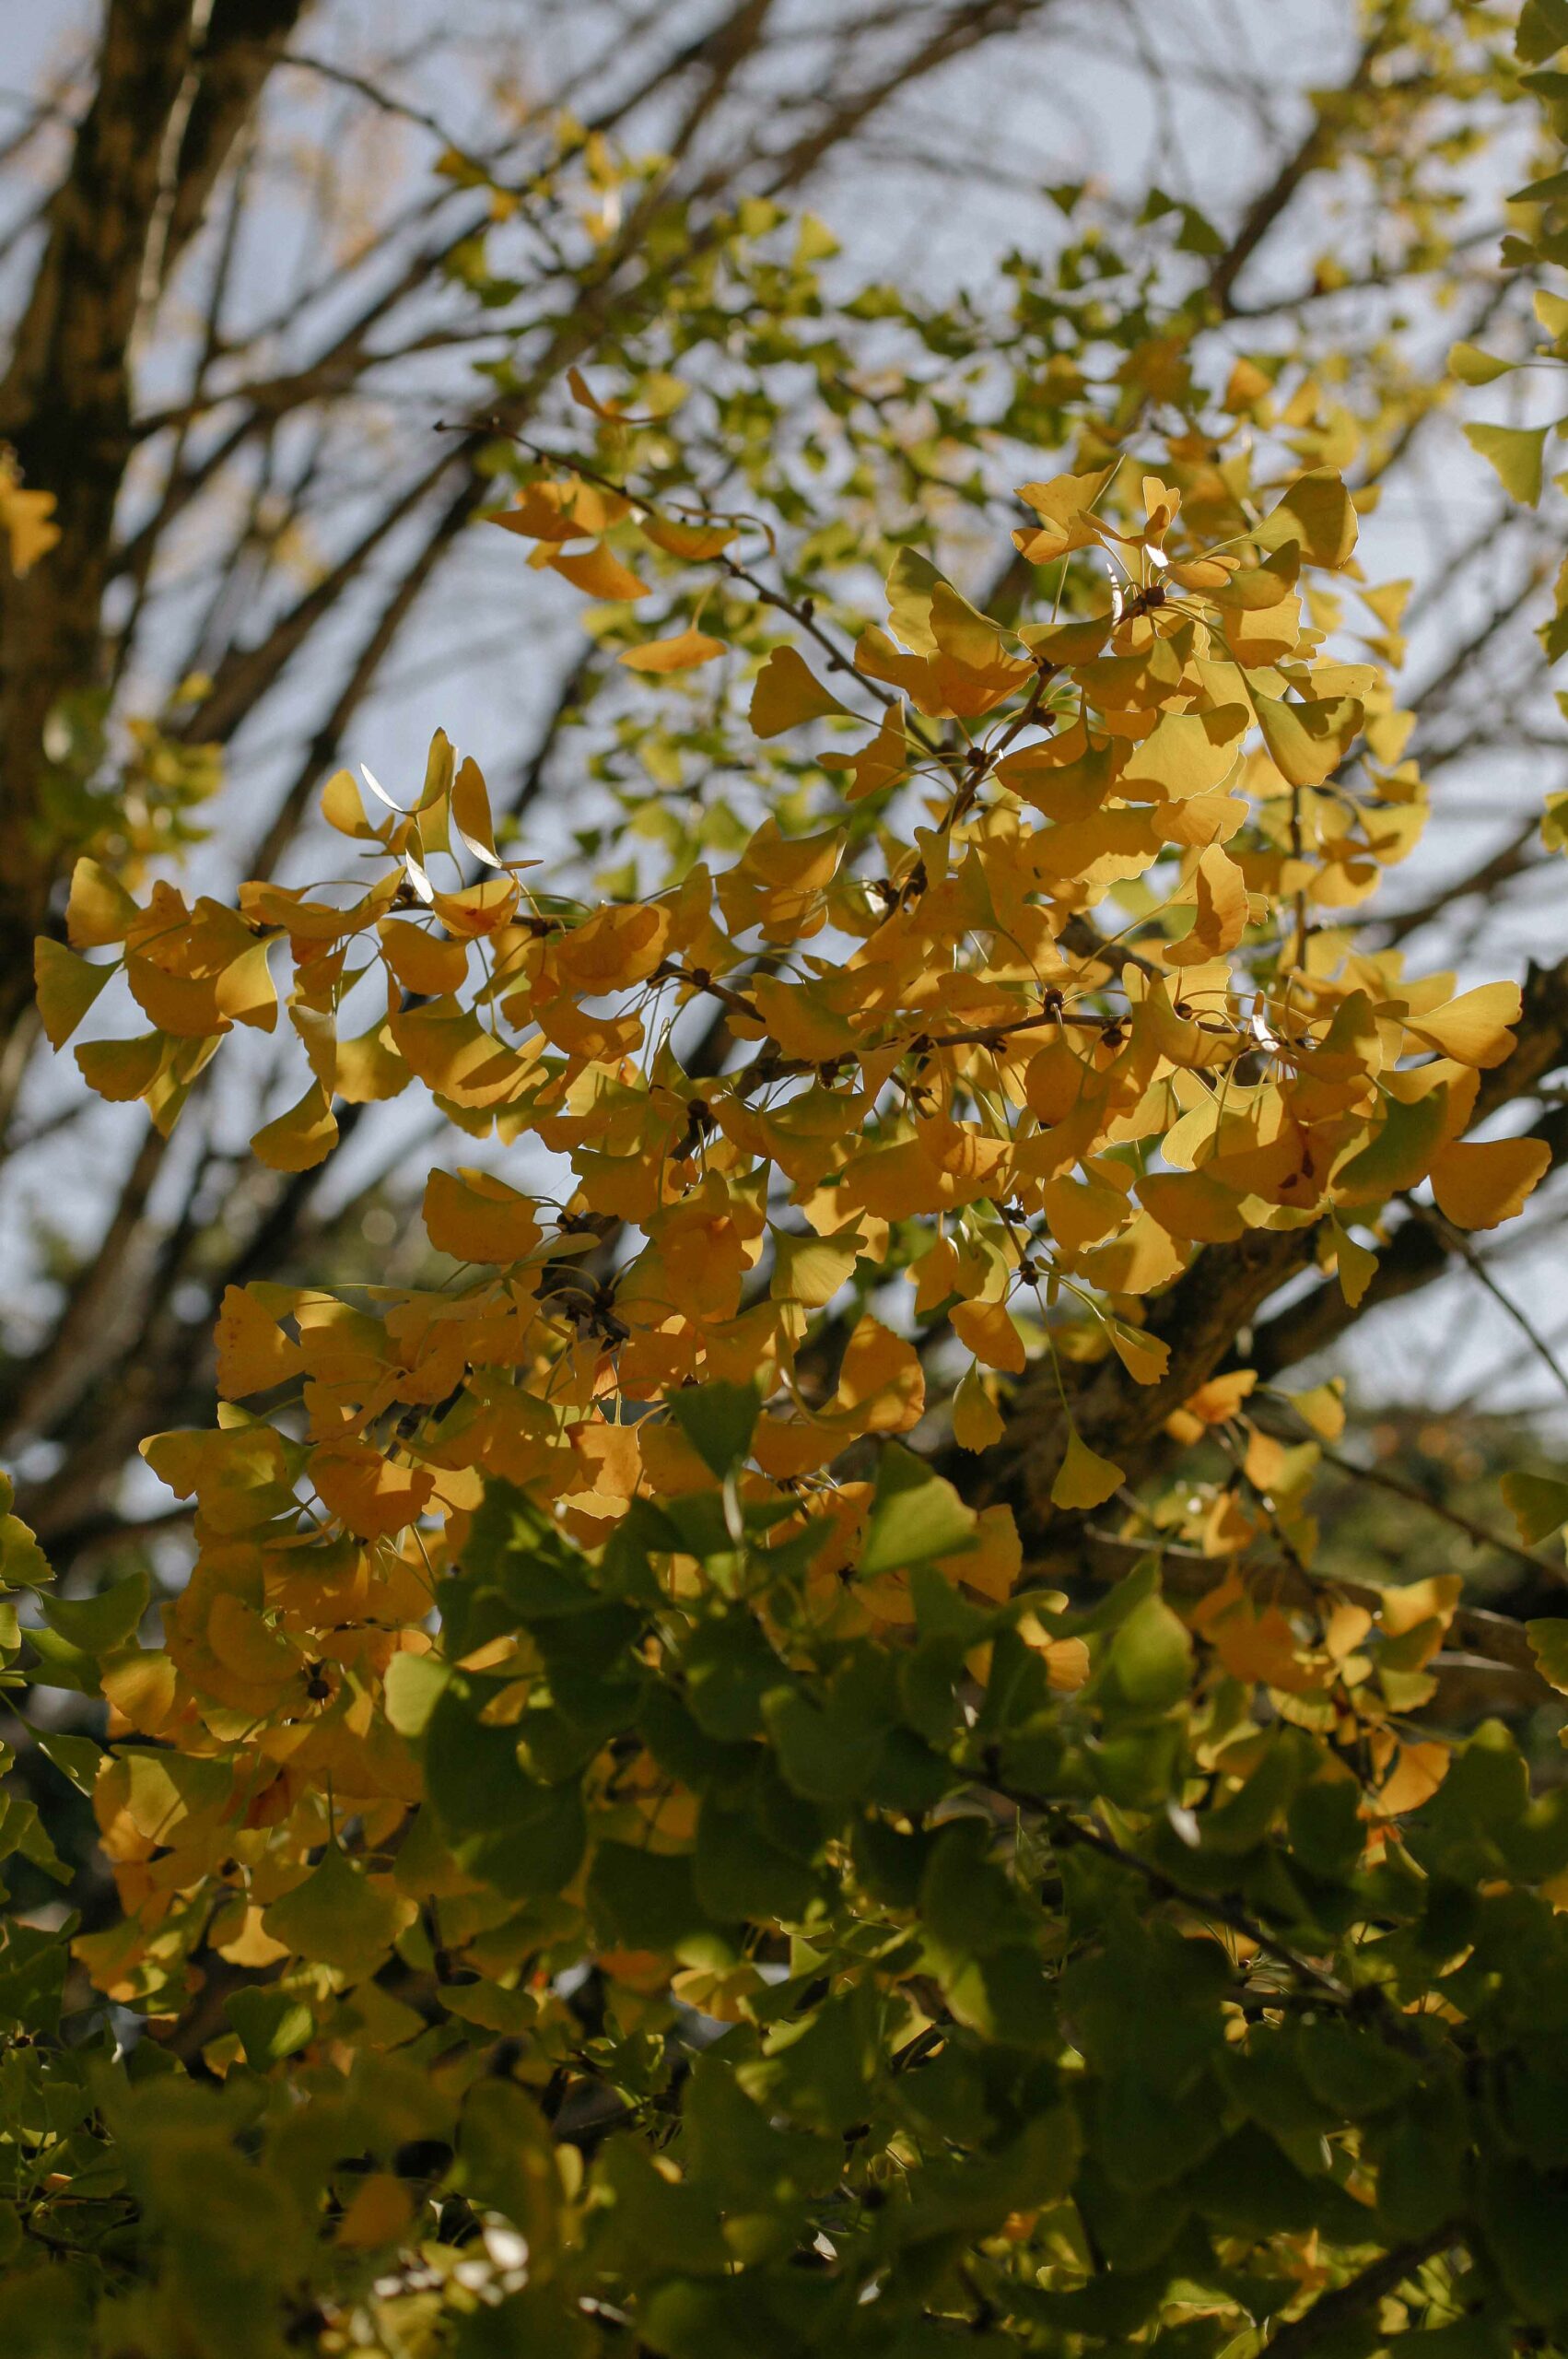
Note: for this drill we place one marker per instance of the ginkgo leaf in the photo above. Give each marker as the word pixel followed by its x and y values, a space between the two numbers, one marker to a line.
pixel 476 1217
pixel 374 1496
pixel 1187 753
pixel 600 572
pixel 471 815
pixel 977 1423
pixel 1355 1262
pixel 1084 1479
pixel 337 1918
pixel 99 911
pixel 423 962
pixel 1474 366
pixel 695 542
pixel 120 1070
pixel 1538 1504
pixel 991 1334
pixel 1145 1357
pixel 1399 1152
pixel 1309 738
pixel 1517 453
pixel 253 1353
pixel 788 692
pixel 1472 1028
pixel 67 987
pixel 1316 514
pixel 342 809
pixel 1219 890
pixel 300 1139
pixel 684 653
pixel 1480 1182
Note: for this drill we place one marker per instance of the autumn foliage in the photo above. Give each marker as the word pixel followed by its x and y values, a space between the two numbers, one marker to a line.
pixel 647 1827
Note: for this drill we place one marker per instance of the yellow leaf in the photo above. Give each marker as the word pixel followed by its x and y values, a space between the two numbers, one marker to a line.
pixel 302 1137
pixel 1473 1029
pixel 1480 1182
pixel 1190 1206
pixel 121 1069
pixel 1308 740
pixel 369 1068
pixel 976 1420
pixel 471 813
pixel 476 1217
pixel 26 516
pixel 600 572
pixel 1186 752
pixel 343 807
pixel 693 542
pixel 100 910
pixel 1220 890
pixel 1323 1409
pixel 253 1353
pixel 1356 1264
pixel 1145 1357
pixel 684 653
pixel 424 963
pixel 1083 1479
pixel 991 1334
pixel 1315 512
pixel 373 1496
pixel 787 692
pixel 67 987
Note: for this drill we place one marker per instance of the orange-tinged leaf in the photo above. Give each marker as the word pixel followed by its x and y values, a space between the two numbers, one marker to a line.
pixel 880 1379
pixel 380 2213
pixel 1145 1357
pixel 373 1496
pixel 67 987
pixel 253 1353
pixel 301 1138
pixel 471 814
pixel 99 911
pixel 424 963
pixel 476 1217
pixel 600 572
pixel 1480 1182
pixel 1084 1479
pixel 692 541
pixel 1190 1206
pixel 684 653
pixel 991 1334
pixel 787 692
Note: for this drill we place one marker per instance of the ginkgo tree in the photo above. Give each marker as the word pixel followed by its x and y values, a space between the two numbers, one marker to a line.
pixel 647 1827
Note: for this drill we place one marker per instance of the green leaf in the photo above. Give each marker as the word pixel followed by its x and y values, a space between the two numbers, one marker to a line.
pixel 98 1625
pixel 1150 1657
pixel 337 1918
pixel 915 1516
pixel 1549 1644
pixel 1538 1504
pixel 413 1685
pixel 1515 453
pixel 271 2025
pixel 719 1421
pixel 1474 366
pixel 1399 1151
pixel 1543 31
